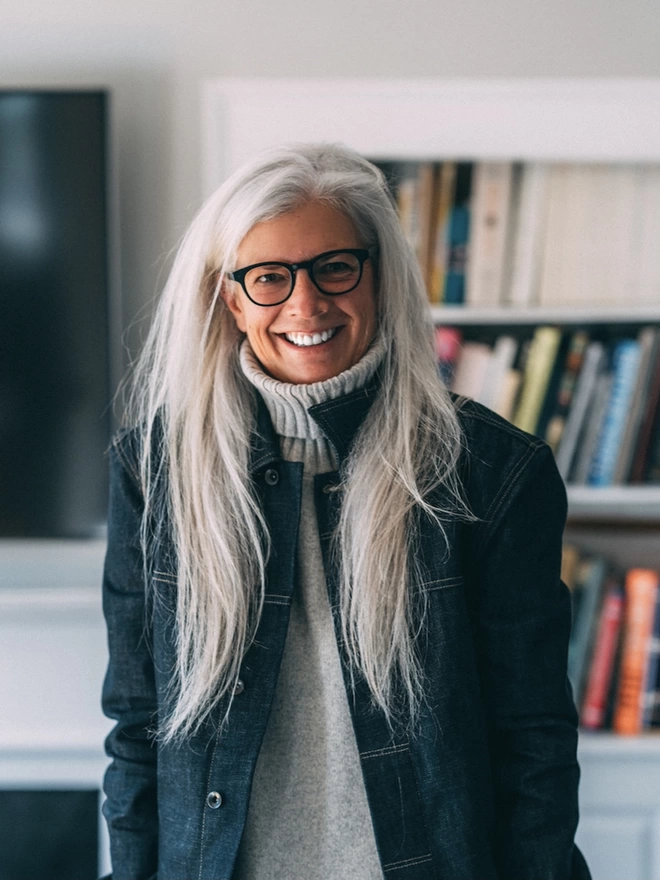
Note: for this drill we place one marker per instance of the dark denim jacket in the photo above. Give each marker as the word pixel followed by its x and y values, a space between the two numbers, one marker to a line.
pixel 486 789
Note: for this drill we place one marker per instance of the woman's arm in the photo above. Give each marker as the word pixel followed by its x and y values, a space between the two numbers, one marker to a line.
pixel 524 620
pixel 129 693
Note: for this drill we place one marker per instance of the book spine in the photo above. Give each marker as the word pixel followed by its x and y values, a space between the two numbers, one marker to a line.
pixel 537 375
pixel 585 622
pixel 527 242
pixel 459 234
pixel 490 214
pixel 651 673
pixel 625 364
pixel 641 593
pixel 600 671
pixel 471 369
pixel 593 361
pixel 572 367
pixel 440 230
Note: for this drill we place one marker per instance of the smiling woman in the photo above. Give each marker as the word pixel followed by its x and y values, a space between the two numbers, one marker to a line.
pixel 337 631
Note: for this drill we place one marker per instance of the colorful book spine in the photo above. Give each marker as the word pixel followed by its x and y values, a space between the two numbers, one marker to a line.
pixel 540 362
pixel 459 234
pixel 448 342
pixel 625 365
pixel 592 715
pixel 444 198
pixel 594 359
pixel 572 367
pixel 641 595
pixel 651 673
pixel 584 622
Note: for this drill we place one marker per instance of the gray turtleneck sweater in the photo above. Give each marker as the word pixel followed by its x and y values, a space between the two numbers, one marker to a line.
pixel 308 817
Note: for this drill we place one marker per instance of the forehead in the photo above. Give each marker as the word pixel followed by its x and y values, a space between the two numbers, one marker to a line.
pixel 297 235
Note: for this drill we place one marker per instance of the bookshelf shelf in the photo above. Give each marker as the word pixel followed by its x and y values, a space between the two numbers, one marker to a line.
pixel 613 745
pixel 614 503
pixel 465 316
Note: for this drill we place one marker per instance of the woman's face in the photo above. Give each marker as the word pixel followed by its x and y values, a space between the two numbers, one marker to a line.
pixel 305 232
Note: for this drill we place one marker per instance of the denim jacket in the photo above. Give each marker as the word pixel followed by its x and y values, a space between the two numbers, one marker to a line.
pixel 485 788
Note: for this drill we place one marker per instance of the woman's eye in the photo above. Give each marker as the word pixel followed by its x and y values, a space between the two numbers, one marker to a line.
pixel 336 268
pixel 269 278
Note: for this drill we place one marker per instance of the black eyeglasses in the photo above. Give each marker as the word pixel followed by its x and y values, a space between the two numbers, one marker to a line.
pixel 333 273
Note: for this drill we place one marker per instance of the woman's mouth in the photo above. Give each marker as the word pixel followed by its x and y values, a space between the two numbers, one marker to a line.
pixel 306 339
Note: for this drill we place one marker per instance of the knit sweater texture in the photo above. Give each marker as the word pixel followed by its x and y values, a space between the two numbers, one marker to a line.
pixel 308 817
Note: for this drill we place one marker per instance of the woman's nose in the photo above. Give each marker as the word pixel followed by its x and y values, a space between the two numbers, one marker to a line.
pixel 306 298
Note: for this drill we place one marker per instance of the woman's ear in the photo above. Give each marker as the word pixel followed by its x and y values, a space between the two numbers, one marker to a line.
pixel 233 303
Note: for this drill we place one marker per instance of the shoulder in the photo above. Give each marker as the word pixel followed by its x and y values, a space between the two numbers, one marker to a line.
pixel 499 460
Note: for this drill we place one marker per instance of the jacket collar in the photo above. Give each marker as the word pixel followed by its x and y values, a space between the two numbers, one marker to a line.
pixel 339 419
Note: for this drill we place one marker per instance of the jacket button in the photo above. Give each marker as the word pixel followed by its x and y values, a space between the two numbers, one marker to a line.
pixel 214 799
pixel 239 687
pixel 272 477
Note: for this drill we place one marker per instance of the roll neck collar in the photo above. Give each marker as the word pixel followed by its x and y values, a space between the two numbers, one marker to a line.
pixel 288 404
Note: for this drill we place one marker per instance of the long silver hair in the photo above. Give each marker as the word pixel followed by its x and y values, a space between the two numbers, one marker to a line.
pixel 197 411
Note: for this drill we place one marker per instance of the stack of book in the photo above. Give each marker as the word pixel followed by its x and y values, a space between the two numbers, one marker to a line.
pixel 490 234
pixel 615 643
pixel 595 401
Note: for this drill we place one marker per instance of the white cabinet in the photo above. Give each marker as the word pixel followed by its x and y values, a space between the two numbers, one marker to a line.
pixel 53 655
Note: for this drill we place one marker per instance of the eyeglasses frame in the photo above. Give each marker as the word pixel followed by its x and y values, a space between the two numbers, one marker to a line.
pixel 362 254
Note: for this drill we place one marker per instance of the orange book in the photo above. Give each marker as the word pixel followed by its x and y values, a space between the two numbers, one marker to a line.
pixel 641 590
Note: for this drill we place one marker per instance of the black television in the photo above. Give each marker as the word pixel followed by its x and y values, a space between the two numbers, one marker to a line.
pixel 55 270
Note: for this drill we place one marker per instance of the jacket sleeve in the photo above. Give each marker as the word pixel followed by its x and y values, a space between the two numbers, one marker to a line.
pixel 129 693
pixel 523 626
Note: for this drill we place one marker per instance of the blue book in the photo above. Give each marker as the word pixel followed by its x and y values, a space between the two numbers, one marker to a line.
pixel 625 364
pixel 651 674
pixel 458 236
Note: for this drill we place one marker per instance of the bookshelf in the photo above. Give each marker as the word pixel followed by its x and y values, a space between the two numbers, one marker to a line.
pixel 609 121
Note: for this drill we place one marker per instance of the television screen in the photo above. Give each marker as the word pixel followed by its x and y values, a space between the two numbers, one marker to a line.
pixel 54 307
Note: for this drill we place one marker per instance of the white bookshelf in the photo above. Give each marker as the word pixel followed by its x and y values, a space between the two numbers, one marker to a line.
pixel 561 120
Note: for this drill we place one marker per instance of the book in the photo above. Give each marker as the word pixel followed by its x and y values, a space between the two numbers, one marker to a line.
pixel 592 715
pixel 414 194
pixel 441 212
pixel 651 670
pixel 505 401
pixel 489 210
pixel 459 234
pixel 425 194
pixel 572 365
pixel 591 579
pixel 471 369
pixel 552 389
pixel 649 347
pixel 448 342
pixel 540 361
pixel 625 366
pixel 527 229
pixel 501 362
pixel 645 434
pixel 641 588
pixel 593 363
pixel 592 429
pixel 588 234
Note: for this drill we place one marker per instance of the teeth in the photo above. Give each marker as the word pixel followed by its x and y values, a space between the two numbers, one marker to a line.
pixel 306 339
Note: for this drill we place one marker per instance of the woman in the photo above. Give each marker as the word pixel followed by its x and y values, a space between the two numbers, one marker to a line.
pixel 337 631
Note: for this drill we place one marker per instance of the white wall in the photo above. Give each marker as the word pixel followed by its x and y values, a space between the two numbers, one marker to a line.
pixel 154 55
